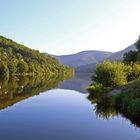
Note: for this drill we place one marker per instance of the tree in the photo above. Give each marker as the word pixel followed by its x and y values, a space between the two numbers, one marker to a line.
pixel 135 72
pixel 110 74
pixel 137 44
pixel 19 56
pixel 25 60
pixel 31 67
pixel 4 71
pixel 22 67
pixel 12 68
pixel 130 57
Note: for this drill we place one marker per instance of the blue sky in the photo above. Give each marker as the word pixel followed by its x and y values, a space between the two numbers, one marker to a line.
pixel 70 26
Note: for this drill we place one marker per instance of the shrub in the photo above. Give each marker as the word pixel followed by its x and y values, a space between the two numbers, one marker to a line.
pixel 110 74
pixel 97 88
pixel 130 57
pixel 129 99
pixel 136 71
pixel 133 72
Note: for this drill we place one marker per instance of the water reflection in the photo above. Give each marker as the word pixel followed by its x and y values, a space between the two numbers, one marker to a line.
pixel 57 114
pixel 77 83
pixel 16 89
pixel 105 108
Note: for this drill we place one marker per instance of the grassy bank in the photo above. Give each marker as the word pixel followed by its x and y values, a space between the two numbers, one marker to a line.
pixel 128 100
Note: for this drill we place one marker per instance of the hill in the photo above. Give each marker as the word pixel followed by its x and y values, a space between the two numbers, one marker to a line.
pixel 117 56
pixel 77 83
pixel 17 59
pixel 85 61
pixel 86 68
pixel 83 58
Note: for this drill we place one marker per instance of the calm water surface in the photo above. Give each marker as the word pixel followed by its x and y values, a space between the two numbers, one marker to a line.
pixel 58 114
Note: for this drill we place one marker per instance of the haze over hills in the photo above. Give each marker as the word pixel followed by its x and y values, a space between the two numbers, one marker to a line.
pixel 77 83
pixel 83 58
pixel 118 56
pixel 86 61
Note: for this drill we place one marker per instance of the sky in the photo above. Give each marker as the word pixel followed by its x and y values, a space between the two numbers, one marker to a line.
pixel 70 26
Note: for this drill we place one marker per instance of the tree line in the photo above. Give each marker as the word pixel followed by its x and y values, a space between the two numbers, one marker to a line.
pixel 16 59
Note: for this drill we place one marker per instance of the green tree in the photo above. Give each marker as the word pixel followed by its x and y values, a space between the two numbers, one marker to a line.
pixel 137 44
pixel 4 71
pixel 19 56
pixel 28 61
pixel 12 68
pixel 31 67
pixel 22 67
pixel 130 57
pixel 135 72
pixel 110 74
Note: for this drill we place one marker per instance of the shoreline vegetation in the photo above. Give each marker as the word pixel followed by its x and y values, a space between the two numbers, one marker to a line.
pixel 122 78
pixel 16 60
pixel 105 107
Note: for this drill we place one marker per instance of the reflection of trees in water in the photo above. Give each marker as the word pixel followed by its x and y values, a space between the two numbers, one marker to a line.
pixel 19 88
pixel 134 121
pixel 104 105
pixel 105 108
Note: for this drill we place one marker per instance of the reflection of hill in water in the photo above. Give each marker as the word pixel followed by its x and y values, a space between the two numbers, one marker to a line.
pixel 18 89
pixel 77 83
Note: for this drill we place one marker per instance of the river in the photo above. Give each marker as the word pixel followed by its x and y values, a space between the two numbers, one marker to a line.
pixel 59 112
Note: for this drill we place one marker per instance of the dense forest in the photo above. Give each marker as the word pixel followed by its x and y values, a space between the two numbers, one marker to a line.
pixel 16 59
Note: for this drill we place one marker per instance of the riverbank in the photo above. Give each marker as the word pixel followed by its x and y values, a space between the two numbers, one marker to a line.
pixel 126 97
pixel 129 99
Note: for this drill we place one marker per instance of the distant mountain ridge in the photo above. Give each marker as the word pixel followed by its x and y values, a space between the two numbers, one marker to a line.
pixel 117 56
pixel 83 58
pixel 86 61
